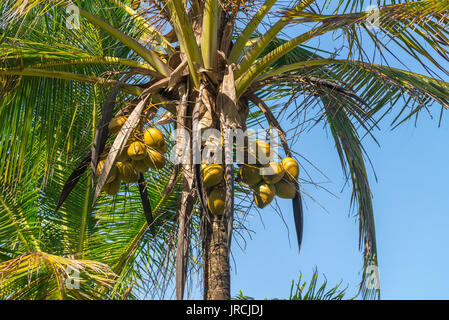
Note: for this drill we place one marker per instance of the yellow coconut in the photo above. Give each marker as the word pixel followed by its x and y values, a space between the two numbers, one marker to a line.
pixel 116 124
pixel 112 187
pixel 250 175
pixel 263 194
pixel 112 174
pixel 273 173
pixel 155 139
pixel 285 189
pixel 127 172
pixel 258 152
pixel 263 149
pixel 141 165
pixel 155 160
pixel 216 201
pixel 212 174
pixel 291 168
pixel 137 150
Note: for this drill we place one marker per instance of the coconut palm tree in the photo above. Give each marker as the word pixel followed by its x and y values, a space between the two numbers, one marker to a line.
pixel 70 67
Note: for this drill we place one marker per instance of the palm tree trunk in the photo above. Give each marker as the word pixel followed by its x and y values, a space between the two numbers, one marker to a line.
pixel 218 242
pixel 216 260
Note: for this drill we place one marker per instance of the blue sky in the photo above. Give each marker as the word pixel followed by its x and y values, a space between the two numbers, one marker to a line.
pixel 411 214
pixel 411 205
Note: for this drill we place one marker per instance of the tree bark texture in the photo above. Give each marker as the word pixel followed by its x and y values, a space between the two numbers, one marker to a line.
pixel 216 260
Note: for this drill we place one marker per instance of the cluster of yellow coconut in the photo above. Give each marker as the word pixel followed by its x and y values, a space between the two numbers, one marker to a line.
pixel 273 179
pixel 144 150
pixel 266 181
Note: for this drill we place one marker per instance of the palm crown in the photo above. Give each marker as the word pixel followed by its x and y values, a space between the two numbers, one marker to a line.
pixel 68 67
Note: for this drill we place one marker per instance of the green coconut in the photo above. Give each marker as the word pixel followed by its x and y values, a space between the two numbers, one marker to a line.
pixel 250 175
pixel 141 165
pixel 285 189
pixel 263 194
pixel 155 160
pixel 127 172
pixel 113 187
pixel 273 173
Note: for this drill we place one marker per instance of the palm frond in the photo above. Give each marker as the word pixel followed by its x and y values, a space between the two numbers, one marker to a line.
pixel 351 152
pixel 419 28
pixel 300 290
pixel 40 276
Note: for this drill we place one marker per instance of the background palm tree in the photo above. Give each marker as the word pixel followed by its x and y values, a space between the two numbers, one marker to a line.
pixel 310 290
pixel 171 63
